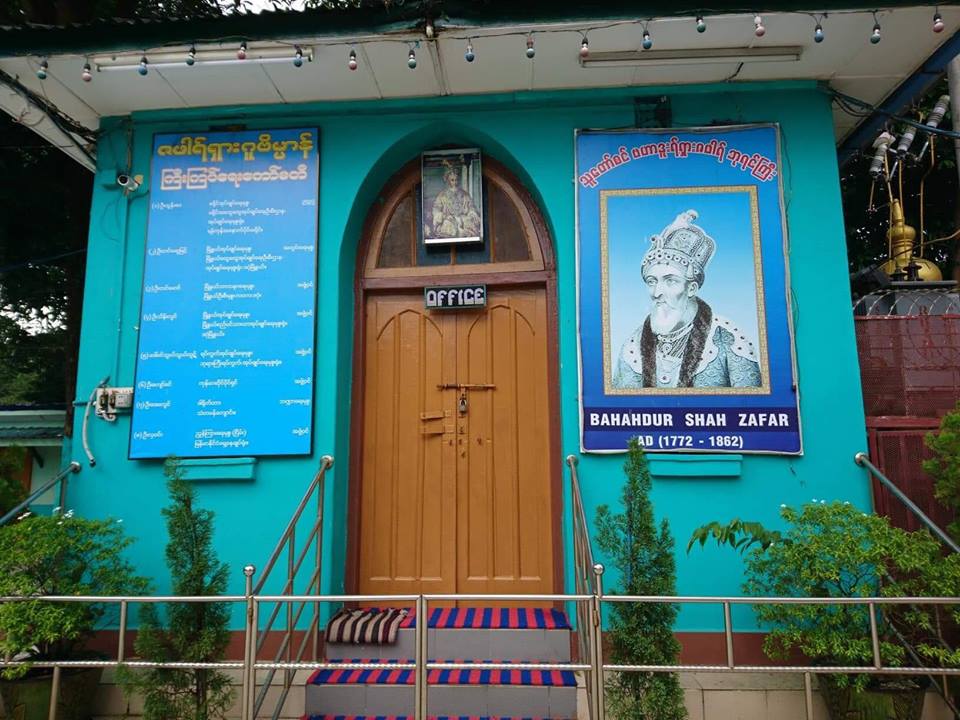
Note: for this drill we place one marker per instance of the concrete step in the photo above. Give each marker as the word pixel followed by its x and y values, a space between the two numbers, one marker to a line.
pixel 476 644
pixel 451 700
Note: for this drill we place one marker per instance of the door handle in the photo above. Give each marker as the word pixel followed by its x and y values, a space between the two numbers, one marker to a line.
pixel 466 386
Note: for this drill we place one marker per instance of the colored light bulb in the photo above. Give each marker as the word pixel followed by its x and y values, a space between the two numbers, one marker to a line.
pixel 758 29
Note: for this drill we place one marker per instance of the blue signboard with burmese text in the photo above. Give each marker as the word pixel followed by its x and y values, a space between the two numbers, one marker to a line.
pixel 685 334
pixel 226 347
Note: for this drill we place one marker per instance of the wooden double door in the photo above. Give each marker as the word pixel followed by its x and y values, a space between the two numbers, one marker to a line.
pixel 456 487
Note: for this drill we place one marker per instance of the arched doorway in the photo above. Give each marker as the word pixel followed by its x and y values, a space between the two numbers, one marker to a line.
pixel 455 468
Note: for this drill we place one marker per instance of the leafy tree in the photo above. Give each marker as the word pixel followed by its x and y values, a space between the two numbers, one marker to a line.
pixel 194 632
pixel 43 235
pixel 641 633
pixel 12 491
pixel 944 466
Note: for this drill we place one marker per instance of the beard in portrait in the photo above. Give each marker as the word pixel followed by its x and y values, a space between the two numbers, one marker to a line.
pixel 683 343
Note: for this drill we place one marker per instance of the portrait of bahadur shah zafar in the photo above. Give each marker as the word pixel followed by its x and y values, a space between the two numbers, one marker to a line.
pixel 683 340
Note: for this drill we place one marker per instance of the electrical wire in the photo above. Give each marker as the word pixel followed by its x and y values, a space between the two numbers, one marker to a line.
pixel 63 122
pixel 893 116
pixel 38 261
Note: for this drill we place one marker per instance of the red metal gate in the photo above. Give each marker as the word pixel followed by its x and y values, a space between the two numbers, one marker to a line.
pixel 910 371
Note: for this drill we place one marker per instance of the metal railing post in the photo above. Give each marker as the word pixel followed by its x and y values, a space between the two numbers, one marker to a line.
pixel 596 654
pixel 327 460
pixel 728 633
pixel 420 672
pixel 808 695
pixel 291 560
pixel 122 634
pixel 249 645
pixel 874 636
pixel 54 694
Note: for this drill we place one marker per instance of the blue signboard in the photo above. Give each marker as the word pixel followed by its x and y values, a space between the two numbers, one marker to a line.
pixel 226 350
pixel 684 324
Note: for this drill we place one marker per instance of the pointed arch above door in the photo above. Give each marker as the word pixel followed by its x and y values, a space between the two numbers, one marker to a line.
pixel 516 238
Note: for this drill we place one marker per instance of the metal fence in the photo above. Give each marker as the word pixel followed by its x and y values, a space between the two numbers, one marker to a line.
pixel 593 665
pixel 588 600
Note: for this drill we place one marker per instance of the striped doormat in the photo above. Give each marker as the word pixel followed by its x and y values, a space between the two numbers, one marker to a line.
pixel 493 619
pixel 478 675
pixel 367 626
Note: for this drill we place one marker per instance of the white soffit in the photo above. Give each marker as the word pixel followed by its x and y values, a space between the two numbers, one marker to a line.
pixel 845 58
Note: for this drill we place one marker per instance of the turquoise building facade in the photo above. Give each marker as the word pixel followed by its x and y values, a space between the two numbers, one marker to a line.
pixel 362 145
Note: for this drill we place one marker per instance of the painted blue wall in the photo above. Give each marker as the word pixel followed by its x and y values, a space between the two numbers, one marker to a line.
pixel 362 145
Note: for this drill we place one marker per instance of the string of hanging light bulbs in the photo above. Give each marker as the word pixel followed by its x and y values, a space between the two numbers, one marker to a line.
pixel 297 56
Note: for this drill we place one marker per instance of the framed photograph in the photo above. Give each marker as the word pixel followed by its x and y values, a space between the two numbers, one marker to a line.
pixel 685 332
pixel 452 196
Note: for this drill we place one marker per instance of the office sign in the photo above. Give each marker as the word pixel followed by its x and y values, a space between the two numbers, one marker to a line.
pixel 226 347
pixel 684 330
pixel 452 297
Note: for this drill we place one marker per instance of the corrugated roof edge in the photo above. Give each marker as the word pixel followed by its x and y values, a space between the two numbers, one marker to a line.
pixel 367 17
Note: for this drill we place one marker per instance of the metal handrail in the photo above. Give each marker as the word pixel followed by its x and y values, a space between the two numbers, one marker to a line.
pixel 61 477
pixel 588 581
pixel 863 460
pixel 421 664
pixel 254 701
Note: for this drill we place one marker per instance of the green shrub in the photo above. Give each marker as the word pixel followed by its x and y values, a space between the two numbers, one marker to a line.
pixel 192 632
pixel 944 467
pixel 834 550
pixel 641 633
pixel 59 555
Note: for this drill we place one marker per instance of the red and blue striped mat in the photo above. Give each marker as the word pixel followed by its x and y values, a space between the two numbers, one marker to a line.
pixel 472 676
pixel 493 618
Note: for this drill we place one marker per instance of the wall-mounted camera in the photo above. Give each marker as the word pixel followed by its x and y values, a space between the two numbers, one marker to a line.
pixel 129 183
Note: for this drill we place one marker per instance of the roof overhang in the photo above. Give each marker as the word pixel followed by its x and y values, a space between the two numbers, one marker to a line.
pixel 31 428
pixel 728 51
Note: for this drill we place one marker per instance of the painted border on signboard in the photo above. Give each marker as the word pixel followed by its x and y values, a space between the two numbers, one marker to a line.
pixel 315 275
pixel 788 296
